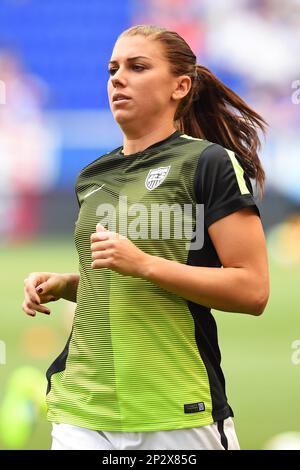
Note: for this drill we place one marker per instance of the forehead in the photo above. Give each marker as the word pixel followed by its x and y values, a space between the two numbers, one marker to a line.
pixel 134 46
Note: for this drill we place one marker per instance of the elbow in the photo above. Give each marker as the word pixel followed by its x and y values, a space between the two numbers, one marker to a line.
pixel 260 301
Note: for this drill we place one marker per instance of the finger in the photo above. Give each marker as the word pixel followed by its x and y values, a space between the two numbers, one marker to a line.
pixel 102 263
pixel 44 298
pixel 100 228
pixel 103 245
pixel 34 299
pixel 101 254
pixel 45 287
pixel 29 289
pixel 38 308
pixel 32 296
pixel 107 235
pixel 100 236
pixel 28 311
pixel 48 290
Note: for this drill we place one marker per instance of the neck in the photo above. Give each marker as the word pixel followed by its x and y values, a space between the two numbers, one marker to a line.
pixel 139 141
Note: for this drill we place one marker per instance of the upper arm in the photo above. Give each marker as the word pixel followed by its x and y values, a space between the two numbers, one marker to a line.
pixel 239 241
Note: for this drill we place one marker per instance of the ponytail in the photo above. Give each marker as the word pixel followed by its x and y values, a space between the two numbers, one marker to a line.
pixel 212 111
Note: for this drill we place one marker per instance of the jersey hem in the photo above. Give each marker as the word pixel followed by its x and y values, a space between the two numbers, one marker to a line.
pixel 231 206
pixel 137 427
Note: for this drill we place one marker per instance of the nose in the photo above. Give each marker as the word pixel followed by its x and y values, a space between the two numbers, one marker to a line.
pixel 118 79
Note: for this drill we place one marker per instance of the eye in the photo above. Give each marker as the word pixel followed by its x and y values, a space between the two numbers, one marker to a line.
pixel 138 68
pixel 112 71
pixel 135 67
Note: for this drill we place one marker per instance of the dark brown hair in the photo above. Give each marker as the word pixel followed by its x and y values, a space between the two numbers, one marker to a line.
pixel 210 110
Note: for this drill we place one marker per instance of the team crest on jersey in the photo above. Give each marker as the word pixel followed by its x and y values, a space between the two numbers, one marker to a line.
pixel 156 177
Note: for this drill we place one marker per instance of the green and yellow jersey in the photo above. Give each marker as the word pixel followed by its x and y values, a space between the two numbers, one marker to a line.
pixel 140 358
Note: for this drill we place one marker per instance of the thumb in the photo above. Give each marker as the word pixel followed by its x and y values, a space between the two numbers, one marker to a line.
pixel 100 228
pixel 45 287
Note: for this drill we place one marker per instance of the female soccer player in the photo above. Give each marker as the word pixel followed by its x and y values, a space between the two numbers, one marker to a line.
pixel 141 368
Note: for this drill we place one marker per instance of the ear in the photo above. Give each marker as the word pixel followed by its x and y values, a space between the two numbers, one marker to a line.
pixel 182 87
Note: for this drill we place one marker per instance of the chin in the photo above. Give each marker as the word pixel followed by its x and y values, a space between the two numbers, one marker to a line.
pixel 122 118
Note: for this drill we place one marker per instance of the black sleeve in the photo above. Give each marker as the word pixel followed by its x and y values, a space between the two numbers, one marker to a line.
pixel 221 184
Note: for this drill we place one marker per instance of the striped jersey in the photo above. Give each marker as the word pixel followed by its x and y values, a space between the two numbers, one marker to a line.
pixel 140 358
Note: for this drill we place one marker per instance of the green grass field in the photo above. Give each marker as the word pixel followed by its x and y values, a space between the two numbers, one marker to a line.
pixel 262 382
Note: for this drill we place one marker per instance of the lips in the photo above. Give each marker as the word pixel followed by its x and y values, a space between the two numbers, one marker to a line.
pixel 120 96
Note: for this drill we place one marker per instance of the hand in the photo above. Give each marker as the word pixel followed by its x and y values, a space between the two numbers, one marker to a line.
pixel 42 288
pixel 114 251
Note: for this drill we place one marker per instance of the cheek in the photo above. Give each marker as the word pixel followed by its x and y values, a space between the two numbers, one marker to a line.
pixel 155 95
pixel 109 89
pixel 110 92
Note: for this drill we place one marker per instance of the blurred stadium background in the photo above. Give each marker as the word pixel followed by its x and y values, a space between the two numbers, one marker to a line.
pixel 54 119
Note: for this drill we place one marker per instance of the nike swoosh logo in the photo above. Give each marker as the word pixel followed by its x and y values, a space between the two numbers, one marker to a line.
pixel 94 191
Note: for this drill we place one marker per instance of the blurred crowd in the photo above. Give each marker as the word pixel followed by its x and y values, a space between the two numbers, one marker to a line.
pixel 27 156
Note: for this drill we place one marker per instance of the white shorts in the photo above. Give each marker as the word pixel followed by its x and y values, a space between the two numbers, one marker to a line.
pixel 216 436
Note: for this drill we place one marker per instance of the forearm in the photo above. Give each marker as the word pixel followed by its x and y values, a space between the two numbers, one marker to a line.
pixel 70 291
pixel 226 289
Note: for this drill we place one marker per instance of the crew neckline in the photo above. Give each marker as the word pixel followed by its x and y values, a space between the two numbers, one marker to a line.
pixel 174 135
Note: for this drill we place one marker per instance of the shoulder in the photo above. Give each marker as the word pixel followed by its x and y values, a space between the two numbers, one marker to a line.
pixel 209 153
pixel 217 155
pixel 222 166
pixel 215 166
pixel 91 166
pixel 221 183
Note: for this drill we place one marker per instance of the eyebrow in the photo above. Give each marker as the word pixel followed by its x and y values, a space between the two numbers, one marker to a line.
pixel 130 59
